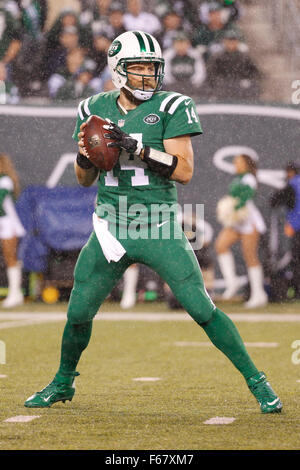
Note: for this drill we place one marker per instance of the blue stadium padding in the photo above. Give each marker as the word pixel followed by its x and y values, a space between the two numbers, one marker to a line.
pixel 57 218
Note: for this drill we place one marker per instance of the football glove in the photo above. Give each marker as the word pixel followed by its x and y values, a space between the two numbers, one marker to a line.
pixel 121 139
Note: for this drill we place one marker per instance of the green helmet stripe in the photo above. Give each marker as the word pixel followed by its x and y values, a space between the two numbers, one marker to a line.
pixel 151 43
pixel 141 41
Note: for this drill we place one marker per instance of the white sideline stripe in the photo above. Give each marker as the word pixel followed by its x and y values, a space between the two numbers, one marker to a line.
pixel 146 379
pixel 219 420
pixel 207 343
pixel 20 419
pixel 56 112
pixel 28 318
pixel 248 110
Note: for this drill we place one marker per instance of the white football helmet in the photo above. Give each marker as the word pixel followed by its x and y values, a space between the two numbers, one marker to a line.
pixel 131 47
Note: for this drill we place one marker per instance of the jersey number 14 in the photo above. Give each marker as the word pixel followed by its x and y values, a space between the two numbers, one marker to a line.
pixel 139 178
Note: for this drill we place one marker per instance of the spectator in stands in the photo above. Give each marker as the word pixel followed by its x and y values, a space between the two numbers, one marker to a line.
pixel 32 16
pixel 116 20
pixel 112 24
pixel 172 24
pixel 107 83
pixel 102 9
pixel 289 197
pixel 86 12
pixel 9 93
pixel 101 43
pixel 82 85
pixel 231 10
pixel 53 46
pixel 11 229
pixel 210 35
pixel 186 9
pixel 10 37
pixel 136 18
pixel 231 73
pixel 68 42
pixel 76 80
pixel 185 68
pixel 235 9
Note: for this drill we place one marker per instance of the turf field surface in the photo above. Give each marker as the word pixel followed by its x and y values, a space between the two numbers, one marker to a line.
pixel 189 382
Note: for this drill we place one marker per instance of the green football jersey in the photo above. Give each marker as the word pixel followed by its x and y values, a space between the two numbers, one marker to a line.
pixel 166 115
pixel 244 188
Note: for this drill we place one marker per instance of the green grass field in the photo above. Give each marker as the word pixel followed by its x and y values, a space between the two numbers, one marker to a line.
pixel 111 411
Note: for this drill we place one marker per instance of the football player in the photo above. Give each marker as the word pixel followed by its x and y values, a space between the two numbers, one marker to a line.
pixel 153 130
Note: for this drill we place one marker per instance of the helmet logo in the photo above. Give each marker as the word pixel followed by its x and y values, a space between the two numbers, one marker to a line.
pixel 114 48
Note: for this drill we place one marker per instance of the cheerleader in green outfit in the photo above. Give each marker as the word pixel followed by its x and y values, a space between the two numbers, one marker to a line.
pixel 242 222
pixel 11 229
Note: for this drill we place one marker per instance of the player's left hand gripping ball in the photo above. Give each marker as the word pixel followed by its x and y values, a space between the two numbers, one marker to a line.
pixel 121 140
pixel 96 145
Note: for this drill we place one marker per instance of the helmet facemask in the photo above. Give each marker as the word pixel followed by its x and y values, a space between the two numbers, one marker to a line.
pixel 143 92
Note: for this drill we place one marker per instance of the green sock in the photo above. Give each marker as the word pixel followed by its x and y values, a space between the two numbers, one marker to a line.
pixel 225 336
pixel 75 339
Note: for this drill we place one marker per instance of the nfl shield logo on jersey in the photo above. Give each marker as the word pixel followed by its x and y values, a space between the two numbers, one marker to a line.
pixel 121 122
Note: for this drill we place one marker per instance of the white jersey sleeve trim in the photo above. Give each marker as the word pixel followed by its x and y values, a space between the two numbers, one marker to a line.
pixel 83 108
pixel 86 107
pixel 166 101
pixel 177 103
pixel 79 110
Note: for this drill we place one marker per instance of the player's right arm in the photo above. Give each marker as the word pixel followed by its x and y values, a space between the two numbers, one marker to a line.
pixel 85 176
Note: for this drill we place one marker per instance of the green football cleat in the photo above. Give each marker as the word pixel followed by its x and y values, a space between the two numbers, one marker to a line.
pixel 60 389
pixel 268 400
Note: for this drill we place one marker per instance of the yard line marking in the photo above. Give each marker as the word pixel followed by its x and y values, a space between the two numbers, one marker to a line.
pixel 13 319
pixel 265 317
pixel 207 343
pixel 14 324
pixel 20 419
pixel 219 420
pixel 146 379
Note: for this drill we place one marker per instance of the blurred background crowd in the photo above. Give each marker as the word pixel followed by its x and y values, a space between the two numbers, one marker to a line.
pixel 52 53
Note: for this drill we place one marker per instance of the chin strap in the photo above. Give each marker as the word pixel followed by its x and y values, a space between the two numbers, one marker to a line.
pixel 140 94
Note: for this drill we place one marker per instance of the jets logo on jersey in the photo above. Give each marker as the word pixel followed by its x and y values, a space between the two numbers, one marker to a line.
pixel 151 119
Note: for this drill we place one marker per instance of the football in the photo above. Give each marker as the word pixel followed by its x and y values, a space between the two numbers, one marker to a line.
pixel 95 144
